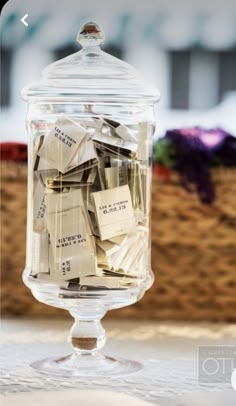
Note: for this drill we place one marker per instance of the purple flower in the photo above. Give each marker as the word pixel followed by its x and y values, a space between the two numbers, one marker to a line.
pixel 196 150
pixel 193 161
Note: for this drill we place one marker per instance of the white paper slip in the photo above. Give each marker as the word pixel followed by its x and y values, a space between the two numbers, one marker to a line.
pixel 87 177
pixel 45 277
pixel 114 142
pixel 103 260
pixel 56 203
pixel 116 176
pixel 71 267
pixel 68 234
pixel 93 223
pixel 74 267
pixel 125 133
pixel 62 142
pixel 64 285
pixel 135 185
pixel 118 257
pixel 64 201
pixel 114 213
pixel 107 246
pixel 40 253
pixel 139 216
pixel 69 177
pixel 38 142
pixel 77 179
pixel 104 281
pixel 51 257
pixel 86 192
pixel 136 250
pixel 39 207
pixel 42 164
pixel 45 175
pixel 78 170
pixel 116 128
pixel 111 123
pixel 117 274
pixel 119 239
pixel 96 123
pixel 84 153
pixel 144 145
pixel 146 182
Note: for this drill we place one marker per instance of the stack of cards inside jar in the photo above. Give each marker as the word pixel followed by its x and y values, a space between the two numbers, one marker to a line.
pixel 91 204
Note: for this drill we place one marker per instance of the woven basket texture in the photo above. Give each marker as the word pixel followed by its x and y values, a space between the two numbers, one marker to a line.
pixel 193 252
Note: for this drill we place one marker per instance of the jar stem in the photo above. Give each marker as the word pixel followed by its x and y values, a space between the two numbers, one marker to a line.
pixel 87 334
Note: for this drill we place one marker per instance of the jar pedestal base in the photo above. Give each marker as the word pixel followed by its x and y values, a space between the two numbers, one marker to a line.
pixel 86 365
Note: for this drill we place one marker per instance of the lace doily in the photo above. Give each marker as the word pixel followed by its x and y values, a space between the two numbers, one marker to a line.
pixel 168 352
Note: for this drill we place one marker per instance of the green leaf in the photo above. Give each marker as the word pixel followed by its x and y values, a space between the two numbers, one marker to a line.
pixel 164 153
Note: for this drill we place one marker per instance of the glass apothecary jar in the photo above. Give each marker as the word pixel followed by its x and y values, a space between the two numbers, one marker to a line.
pixel 90 123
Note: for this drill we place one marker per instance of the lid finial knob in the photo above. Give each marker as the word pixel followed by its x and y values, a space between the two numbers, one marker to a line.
pixel 90 34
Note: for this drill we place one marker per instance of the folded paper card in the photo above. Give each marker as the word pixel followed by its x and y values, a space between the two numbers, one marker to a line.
pixel 72 246
pixel 56 203
pixel 114 212
pixel 61 143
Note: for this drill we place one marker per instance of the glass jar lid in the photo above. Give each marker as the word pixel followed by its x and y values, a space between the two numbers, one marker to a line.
pixel 90 74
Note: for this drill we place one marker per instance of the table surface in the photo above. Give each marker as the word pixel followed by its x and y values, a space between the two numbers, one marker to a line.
pixel 168 351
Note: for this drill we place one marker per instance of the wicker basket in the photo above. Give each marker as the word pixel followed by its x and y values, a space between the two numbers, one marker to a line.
pixel 193 252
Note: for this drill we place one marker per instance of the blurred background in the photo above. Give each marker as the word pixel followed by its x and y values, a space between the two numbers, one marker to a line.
pixel 185 48
pixel 188 50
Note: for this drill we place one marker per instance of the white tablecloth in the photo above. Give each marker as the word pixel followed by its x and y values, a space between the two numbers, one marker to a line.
pixel 168 352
